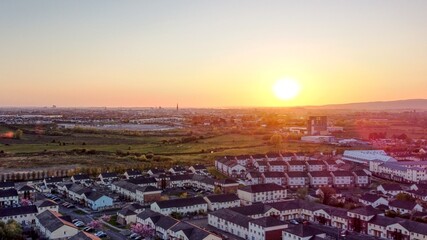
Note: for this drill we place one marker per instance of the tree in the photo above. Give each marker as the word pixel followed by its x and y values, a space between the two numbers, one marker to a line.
pixel 142 230
pixel 95 224
pixel 10 230
pixel 276 140
pixel 404 197
pixel 327 193
pixel 105 218
pixel 302 193
pixel 18 134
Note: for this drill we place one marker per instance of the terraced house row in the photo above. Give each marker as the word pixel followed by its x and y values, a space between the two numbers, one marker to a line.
pixel 266 221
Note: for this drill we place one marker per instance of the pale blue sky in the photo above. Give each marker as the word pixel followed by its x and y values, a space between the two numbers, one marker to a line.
pixel 149 53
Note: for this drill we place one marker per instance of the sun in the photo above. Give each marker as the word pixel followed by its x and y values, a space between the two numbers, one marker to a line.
pixel 286 89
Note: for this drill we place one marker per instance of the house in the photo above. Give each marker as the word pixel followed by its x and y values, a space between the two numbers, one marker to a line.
pixel 267 192
pixel 274 177
pixel 80 178
pixel 127 215
pixel 319 179
pixel 203 183
pixel 22 215
pixel 97 201
pixel 373 200
pixel 226 185
pixel 157 221
pixel 246 227
pixel 233 169
pixel 125 189
pixel 243 160
pixel 198 169
pixel 6 185
pixel 188 231
pixel 342 179
pixel 107 177
pixel 46 204
pixel 177 170
pixel 361 178
pixel 396 228
pixel 132 173
pixel 331 165
pixel 419 186
pixel 277 166
pixel 230 221
pixel 296 166
pixel 315 165
pixel 220 201
pixel 9 197
pixel 404 207
pixel 296 179
pixel 53 225
pixel 390 189
pixel 82 235
pixel 184 180
pixel 302 232
pixel 75 192
pixel 262 166
pixel 156 171
pixel 360 217
pixel 26 192
pixel 133 192
pixel 52 181
pixel 148 194
pixel 180 205
pixel 144 181
pixel 278 157
pixel 266 228
pixel 255 177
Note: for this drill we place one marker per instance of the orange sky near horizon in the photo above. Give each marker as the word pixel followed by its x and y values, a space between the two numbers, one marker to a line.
pixel 205 54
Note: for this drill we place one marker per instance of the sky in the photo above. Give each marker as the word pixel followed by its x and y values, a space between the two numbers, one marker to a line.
pixel 204 53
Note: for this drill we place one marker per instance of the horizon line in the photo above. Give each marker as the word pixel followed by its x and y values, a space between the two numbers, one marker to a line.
pixel 207 107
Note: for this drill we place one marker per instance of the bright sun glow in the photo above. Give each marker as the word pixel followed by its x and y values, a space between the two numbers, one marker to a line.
pixel 286 88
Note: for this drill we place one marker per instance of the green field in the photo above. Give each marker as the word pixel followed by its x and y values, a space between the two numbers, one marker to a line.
pixel 108 150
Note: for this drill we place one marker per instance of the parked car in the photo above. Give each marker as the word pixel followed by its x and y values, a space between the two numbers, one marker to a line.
pixel 75 220
pixel 88 229
pixel 79 224
pixel 293 221
pixel 100 234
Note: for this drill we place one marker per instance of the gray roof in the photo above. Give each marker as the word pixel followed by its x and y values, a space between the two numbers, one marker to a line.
pixel 45 203
pixel 83 236
pixel 265 187
pixel 7 185
pixel 191 232
pixel 93 195
pixel 126 212
pixel 302 230
pixel 223 198
pixel 11 192
pixel 6 212
pixel 232 216
pixel 181 202
pixel 268 222
pixel 50 221
pixel 369 197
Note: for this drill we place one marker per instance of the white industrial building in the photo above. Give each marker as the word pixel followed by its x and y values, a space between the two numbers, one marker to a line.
pixel 366 156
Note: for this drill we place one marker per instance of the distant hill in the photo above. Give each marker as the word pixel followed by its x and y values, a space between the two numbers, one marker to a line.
pixel 407 104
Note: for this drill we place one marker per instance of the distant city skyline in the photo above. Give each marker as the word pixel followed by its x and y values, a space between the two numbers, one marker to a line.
pixel 210 53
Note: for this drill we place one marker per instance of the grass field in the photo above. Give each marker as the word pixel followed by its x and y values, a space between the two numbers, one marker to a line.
pixel 102 150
